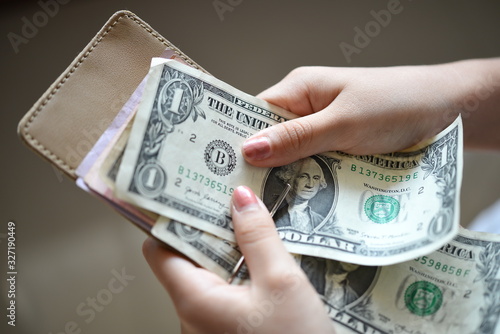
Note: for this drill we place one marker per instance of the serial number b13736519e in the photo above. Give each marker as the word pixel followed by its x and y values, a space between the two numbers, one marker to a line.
pixel 203 180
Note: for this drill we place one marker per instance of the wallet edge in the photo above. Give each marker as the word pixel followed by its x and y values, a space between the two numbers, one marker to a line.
pixel 29 118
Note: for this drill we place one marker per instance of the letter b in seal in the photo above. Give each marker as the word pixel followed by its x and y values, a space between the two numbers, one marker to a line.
pixel 220 157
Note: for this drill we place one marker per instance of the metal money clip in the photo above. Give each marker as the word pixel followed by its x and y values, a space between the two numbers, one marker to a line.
pixel 276 205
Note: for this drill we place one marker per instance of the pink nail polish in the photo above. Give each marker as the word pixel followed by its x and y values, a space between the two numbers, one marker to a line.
pixel 257 148
pixel 244 199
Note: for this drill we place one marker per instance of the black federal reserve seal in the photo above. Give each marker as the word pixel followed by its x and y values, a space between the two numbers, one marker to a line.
pixel 220 157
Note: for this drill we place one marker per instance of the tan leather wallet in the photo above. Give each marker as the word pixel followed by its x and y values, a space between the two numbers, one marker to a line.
pixel 71 115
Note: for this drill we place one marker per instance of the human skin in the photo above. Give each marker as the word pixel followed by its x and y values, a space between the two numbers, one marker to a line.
pixel 279 299
pixel 378 110
pixel 355 110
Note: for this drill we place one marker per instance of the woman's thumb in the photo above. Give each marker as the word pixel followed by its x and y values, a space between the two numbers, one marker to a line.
pixel 286 142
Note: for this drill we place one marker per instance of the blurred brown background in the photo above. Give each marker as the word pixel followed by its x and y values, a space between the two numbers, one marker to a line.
pixel 68 243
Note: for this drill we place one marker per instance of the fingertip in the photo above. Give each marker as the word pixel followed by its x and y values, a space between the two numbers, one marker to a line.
pixel 149 246
pixel 169 266
pixel 259 151
pixel 256 235
pixel 156 255
pixel 251 218
pixel 256 148
pixel 244 199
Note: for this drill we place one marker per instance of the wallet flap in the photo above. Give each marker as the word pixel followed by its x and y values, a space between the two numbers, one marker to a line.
pixel 71 115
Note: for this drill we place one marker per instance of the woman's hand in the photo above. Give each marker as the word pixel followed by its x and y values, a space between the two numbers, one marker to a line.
pixel 279 299
pixel 378 110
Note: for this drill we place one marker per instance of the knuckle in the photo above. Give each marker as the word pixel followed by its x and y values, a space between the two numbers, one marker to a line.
pixel 254 231
pixel 296 135
pixel 300 75
pixel 312 74
pixel 299 71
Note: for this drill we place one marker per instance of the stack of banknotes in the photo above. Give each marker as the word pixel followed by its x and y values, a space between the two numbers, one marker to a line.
pixel 378 236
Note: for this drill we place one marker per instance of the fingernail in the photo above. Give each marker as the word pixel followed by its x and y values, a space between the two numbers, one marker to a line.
pixel 257 148
pixel 244 199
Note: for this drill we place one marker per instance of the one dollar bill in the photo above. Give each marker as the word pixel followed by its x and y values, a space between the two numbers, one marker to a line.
pixel 455 289
pixel 183 162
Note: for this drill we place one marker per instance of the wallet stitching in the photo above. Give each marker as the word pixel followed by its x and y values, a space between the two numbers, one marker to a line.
pixel 164 42
pixel 40 108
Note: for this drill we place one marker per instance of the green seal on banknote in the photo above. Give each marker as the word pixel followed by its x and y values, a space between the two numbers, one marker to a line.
pixel 423 298
pixel 381 209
